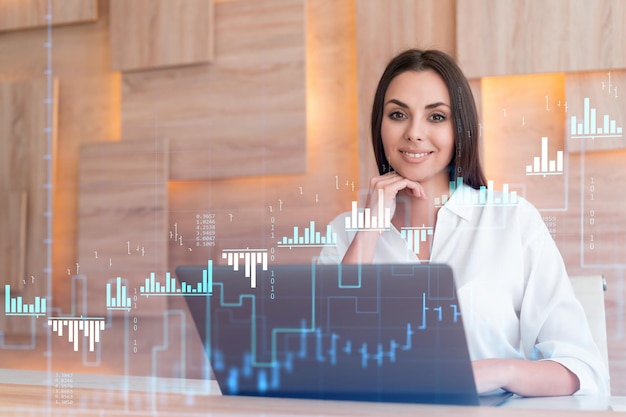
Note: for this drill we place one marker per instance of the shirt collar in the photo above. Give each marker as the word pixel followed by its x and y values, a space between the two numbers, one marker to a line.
pixel 458 202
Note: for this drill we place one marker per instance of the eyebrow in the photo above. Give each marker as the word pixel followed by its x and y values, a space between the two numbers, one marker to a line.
pixel 406 106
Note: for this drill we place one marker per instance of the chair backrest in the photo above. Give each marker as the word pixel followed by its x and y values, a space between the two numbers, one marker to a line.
pixel 589 290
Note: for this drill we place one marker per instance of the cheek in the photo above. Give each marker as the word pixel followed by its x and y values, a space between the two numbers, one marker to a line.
pixel 390 133
pixel 447 143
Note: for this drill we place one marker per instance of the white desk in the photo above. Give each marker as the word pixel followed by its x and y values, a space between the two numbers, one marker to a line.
pixel 35 392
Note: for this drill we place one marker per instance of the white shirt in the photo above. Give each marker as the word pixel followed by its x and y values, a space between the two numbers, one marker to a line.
pixel 513 288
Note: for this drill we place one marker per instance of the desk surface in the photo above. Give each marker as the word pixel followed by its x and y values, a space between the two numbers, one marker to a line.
pixel 36 393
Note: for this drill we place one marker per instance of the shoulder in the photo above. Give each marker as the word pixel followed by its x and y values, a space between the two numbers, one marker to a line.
pixel 486 205
pixel 339 222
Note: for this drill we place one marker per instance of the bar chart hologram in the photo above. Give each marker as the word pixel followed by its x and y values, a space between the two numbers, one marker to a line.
pixel 310 238
pixel 416 235
pixel 15 306
pixel 542 165
pixel 120 301
pixel 593 126
pixel 90 327
pixel 153 287
pixel 366 220
pixel 485 196
pixel 251 257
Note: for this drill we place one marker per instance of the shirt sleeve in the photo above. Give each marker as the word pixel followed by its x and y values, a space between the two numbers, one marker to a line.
pixel 553 323
pixel 333 254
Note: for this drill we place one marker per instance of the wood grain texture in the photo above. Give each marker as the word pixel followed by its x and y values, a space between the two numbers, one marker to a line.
pixel 26 14
pixel 122 219
pixel 384 29
pixel 244 207
pixel 13 239
pixel 521 37
pixel 250 102
pixel 89 111
pixel 515 119
pixel 28 139
pixel 147 34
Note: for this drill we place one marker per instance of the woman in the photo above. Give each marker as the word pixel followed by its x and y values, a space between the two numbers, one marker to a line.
pixel 526 331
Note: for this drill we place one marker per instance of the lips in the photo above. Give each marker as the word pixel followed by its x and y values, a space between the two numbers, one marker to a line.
pixel 416 154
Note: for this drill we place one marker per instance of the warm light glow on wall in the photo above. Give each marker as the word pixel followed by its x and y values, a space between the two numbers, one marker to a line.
pixel 517 111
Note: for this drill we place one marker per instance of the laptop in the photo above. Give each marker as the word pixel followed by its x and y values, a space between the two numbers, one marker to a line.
pixel 381 332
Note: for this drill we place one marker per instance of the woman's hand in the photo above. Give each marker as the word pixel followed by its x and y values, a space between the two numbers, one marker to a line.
pixel 391 184
pixel 524 377
pixel 387 187
pixel 491 374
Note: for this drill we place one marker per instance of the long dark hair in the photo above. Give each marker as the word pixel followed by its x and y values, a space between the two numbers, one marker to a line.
pixel 466 160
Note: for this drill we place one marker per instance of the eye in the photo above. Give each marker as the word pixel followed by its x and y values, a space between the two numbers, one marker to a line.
pixel 438 117
pixel 397 115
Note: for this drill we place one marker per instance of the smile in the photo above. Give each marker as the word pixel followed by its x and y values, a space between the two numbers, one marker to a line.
pixel 415 155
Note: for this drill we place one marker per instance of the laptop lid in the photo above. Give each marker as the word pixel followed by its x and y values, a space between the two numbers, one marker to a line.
pixel 382 332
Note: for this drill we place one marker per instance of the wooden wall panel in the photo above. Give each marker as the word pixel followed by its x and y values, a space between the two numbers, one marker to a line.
pixel 13 239
pixel 258 211
pixel 28 140
pixel 250 102
pixel 25 14
pixel 88 109
pixel 122 219
pixel 531 36
pixel 160 33
pixel 384 29
pixel 517 112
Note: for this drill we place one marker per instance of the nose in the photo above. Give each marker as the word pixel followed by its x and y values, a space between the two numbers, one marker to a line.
pixel 414 131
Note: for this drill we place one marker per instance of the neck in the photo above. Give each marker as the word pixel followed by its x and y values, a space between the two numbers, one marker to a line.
pixel 417 212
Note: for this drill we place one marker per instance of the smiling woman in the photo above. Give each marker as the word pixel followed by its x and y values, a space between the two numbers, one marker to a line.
pixel 526 331
pixel 416 129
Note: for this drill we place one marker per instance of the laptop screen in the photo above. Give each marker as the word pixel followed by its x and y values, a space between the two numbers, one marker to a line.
pixel 390 333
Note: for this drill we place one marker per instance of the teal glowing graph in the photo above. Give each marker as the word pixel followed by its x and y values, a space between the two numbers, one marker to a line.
pixel 486 195
pixel 90 327
pixel 544 166
pixel 121 301
pixel 367 220
pixel 16 307
pixel 152 287
pixel 593 127
pixel 309 238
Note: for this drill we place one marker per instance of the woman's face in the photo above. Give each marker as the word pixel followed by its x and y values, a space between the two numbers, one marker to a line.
pixel 417 130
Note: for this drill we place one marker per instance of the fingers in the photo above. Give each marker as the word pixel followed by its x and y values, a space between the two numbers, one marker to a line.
pixel 392 183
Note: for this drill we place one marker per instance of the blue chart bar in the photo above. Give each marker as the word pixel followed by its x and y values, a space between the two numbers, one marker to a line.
pixel 592 126
pixel 309 238
pixel 170 287
pixel 121 301
pixel 486 195
pixel 16 307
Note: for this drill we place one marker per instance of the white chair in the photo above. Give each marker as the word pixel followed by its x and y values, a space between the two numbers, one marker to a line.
pixel 589 290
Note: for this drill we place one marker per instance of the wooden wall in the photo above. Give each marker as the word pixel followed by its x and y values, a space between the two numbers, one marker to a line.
pixel 153 34
pixel 528 36
pixel 27 152
pixel 26 14
pixel 260 122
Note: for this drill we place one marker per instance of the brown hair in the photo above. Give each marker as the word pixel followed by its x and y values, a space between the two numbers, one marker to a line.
pixel 466 160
